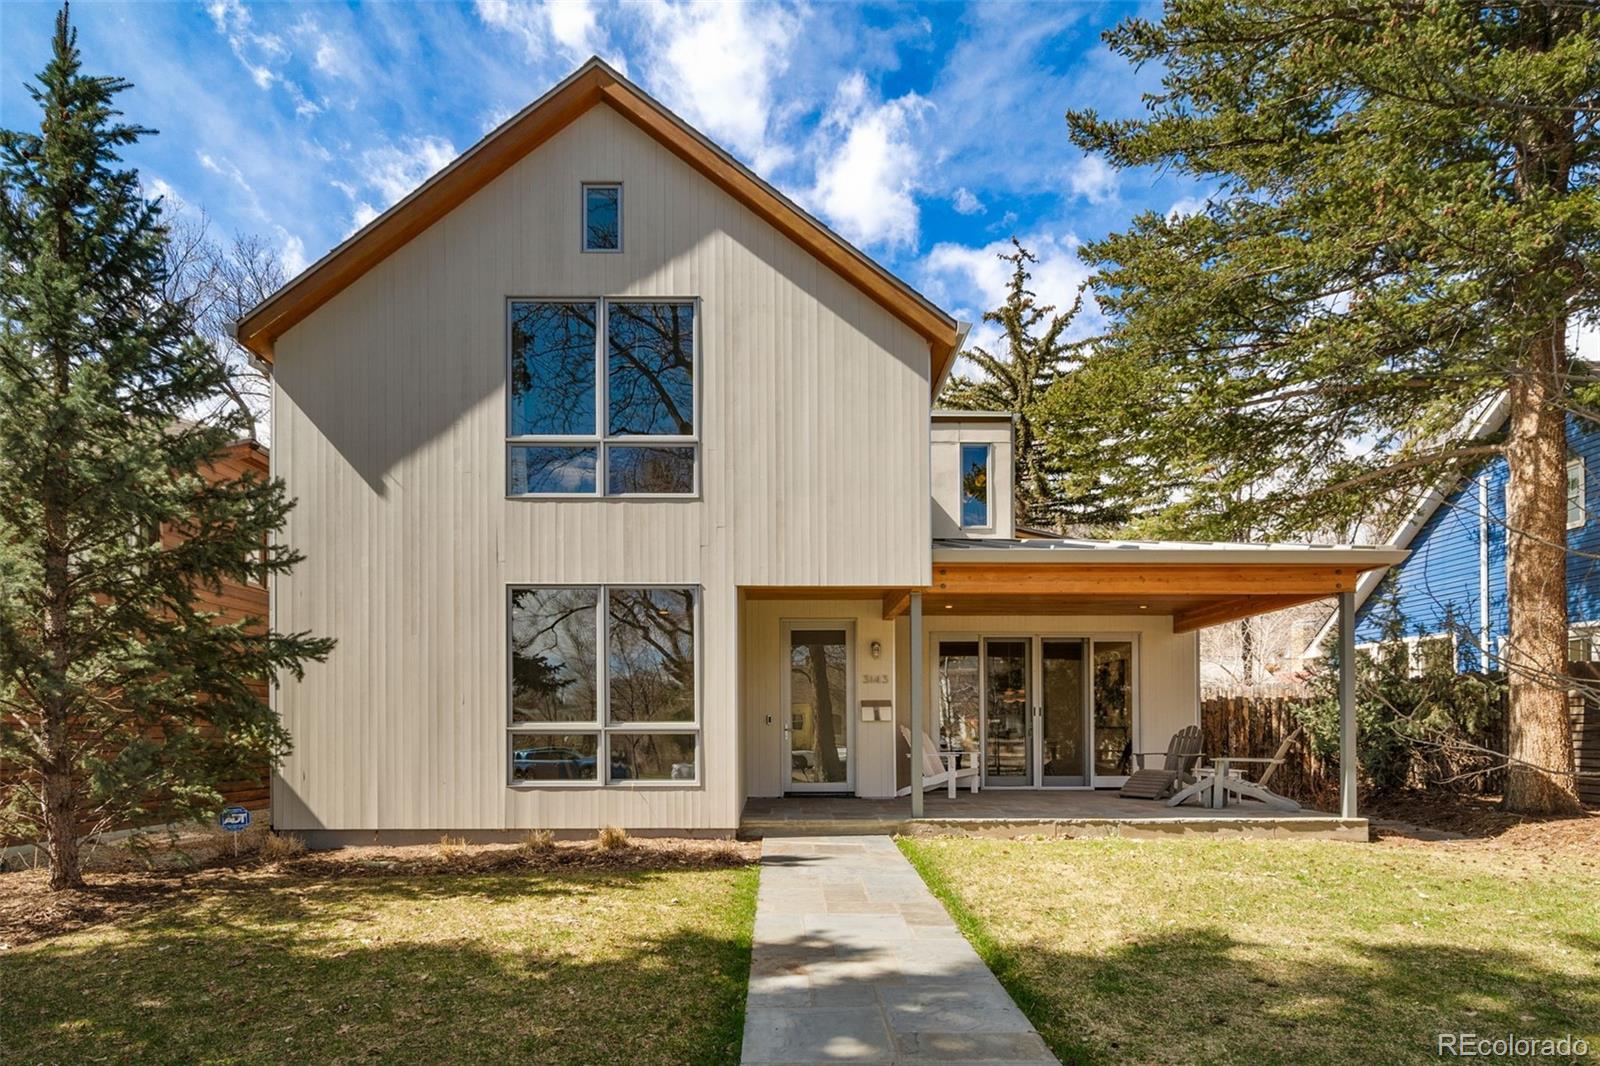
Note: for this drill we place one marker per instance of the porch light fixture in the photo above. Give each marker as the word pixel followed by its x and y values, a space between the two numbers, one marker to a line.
pixel 876 647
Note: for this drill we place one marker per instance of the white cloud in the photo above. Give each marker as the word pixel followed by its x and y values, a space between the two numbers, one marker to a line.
pixel 291 252
pixel 966 203
pixel 363 213
pixel 716 64
pixel 570 27
pixel 1187 205
pixel 262 54
pixel 970 280
pixel 1092 178
pixel 393 170
pixel 869 165
pixel 226 168
pixel 159 188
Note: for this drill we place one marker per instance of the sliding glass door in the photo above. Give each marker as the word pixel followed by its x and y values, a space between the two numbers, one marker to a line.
pixel 1056 712
pixel 1113 711
pixel 1064 723
pixel 1008 713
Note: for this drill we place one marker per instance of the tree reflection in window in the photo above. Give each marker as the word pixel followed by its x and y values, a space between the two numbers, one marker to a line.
pixel 650 369
pixel 552 369
pixel 553 656
pixel 650 654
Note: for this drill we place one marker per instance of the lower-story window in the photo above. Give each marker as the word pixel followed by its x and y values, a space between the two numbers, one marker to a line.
pixel 602 685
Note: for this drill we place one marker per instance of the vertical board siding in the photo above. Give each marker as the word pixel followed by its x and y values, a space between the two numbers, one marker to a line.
pixel 390 420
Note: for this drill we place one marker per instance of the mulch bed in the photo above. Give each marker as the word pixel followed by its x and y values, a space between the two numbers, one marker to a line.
pixel 29 911
pixel 1478 820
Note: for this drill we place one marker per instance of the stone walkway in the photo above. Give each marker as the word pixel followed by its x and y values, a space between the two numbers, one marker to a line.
pixel 855 961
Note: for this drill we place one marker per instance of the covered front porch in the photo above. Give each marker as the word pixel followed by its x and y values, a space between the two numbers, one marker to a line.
pixel 1047 665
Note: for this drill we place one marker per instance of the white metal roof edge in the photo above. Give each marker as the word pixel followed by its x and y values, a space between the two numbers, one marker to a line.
pixel 1126 551
pixel 956 415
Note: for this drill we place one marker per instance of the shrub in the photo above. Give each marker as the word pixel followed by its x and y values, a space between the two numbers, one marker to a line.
pixel 278 847
pixel 1420 721
pixel 538 842
pixel 612 838
pixel 452 847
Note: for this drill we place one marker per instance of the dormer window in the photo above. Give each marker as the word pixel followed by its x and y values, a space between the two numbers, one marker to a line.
pixel 975 461
pixel 602 217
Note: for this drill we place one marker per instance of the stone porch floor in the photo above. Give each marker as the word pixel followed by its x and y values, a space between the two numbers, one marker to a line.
pixel 1020 812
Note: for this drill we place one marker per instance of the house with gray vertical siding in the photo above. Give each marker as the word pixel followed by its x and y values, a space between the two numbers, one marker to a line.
pixel 622 488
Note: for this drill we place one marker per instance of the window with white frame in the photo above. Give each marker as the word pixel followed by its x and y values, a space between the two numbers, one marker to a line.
pixel 601 398
pixel 975 469
pixel 1577 511
pixel 602 217
pixel 602 685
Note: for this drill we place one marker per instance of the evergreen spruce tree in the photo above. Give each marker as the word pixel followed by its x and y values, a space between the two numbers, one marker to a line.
pixel 1405 224
pixel 121 699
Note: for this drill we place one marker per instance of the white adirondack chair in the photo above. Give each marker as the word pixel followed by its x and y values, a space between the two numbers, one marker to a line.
pixel 1220 784
pixel 940 768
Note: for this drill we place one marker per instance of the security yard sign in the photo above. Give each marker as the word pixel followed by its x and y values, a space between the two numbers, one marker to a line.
pixel 234 819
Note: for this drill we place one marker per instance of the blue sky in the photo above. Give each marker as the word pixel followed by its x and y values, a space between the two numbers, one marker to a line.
pixel 926 134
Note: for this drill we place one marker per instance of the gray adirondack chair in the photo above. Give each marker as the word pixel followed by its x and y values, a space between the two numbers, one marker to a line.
pixel 1177 768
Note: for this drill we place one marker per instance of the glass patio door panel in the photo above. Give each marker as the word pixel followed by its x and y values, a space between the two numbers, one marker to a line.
pixel 817 730
pixel 958 693
pixel 1008 717
pixel 1064 722
pixel 1113 710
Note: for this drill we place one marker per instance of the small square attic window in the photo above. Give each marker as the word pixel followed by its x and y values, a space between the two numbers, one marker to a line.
pixel 602 217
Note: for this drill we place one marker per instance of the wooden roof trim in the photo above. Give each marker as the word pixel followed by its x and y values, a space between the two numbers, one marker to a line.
pixel 592 83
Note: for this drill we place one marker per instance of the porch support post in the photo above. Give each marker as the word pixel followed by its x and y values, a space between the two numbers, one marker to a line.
pixel 1347 705
pixel 916 705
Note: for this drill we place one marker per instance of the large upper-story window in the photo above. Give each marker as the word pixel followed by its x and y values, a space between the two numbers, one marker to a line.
pixel 975 460
pixel 618 425
pixel 602 685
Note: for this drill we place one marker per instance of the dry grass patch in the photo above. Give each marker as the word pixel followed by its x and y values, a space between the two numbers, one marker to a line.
pixel 1275 951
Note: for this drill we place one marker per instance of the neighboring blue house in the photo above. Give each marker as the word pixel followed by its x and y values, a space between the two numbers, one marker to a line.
pixel 1453 585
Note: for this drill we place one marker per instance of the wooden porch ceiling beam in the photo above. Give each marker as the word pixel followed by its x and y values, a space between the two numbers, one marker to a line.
pixel 1217 612
pixel 1156 579
pixel 895 603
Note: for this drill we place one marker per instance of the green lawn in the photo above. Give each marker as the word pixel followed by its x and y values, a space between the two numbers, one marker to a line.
pixel 1265 951
pixel 564 966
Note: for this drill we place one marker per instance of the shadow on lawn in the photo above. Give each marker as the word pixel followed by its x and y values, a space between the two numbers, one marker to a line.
pixel 1189 996
pixel 310 971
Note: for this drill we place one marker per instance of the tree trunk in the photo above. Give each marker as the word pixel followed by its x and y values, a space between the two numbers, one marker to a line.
pixel 61 829
pixel 1540 778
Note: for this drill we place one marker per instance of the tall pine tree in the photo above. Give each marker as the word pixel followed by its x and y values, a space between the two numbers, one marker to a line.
pixel 121 699
pixel 1406 223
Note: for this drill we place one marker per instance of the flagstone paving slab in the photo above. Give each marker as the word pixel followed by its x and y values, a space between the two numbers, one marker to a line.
pixel 855 961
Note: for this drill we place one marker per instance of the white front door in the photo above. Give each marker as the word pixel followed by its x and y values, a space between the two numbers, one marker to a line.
pixel 818 689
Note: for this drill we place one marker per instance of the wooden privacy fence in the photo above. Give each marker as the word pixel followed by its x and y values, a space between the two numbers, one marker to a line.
pixel 1252 725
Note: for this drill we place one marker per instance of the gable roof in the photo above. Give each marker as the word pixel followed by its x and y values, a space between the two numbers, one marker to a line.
pixel 591 84
pixel 1486 421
